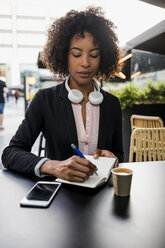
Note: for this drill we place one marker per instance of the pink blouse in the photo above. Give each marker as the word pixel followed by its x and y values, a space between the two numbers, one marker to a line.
pixel 87 136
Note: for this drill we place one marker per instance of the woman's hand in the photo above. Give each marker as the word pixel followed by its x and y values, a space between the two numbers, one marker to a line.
pixel 74 169
pixel 105 153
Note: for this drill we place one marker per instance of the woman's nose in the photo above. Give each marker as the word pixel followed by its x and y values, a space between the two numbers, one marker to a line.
pixel 85 61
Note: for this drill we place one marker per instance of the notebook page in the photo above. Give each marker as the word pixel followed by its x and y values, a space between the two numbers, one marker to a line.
pixel 103 164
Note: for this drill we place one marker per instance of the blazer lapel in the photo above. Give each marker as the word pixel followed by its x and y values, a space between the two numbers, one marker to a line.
pixel 68 116
pixel 102 123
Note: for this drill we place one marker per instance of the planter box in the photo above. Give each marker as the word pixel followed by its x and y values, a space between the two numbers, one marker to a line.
pixel 139 109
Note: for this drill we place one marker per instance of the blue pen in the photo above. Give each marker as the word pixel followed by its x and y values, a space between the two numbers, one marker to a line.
pixel 79 153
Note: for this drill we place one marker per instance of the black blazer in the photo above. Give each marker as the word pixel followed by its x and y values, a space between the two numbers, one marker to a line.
pixel 51 112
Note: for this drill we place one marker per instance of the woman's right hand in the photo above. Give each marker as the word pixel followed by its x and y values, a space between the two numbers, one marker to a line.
pixel 74 169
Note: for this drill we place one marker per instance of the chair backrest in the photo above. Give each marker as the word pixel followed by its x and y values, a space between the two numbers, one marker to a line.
pixel 147 144
pixel 140 121
pixel 42 145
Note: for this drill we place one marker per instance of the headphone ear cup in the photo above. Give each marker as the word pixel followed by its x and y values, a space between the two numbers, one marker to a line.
pixel 75 96
pixel 95 97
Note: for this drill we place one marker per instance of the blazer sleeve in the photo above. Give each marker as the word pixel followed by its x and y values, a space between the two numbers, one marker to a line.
pixel 17 156
pixel 117 147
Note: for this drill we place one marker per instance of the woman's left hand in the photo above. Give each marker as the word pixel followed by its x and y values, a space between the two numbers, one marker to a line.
pixel 105 153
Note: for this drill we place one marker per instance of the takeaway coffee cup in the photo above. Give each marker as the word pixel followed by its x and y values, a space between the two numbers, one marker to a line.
pixel 122 178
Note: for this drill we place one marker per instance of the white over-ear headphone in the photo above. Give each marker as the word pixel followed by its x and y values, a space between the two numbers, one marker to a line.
pixel 76 96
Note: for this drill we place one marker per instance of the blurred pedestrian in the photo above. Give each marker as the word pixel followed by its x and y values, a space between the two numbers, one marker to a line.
pixel 3 89
pixel 8 95
pixel 16 95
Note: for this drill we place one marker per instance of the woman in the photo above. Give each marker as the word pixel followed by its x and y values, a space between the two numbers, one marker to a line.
pixel 81 46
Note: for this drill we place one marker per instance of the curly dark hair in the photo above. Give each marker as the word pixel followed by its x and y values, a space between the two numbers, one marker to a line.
pixel 92 20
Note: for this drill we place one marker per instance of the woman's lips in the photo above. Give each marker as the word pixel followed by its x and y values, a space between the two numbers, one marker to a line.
pixel 83 74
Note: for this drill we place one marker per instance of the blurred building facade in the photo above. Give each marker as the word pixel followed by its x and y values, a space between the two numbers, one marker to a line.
pixel 23 27
pixel 23 33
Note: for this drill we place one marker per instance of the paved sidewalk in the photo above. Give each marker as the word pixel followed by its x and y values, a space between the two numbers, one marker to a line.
pixel 13 116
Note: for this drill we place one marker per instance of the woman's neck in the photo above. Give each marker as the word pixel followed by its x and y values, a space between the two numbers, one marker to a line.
pixel 86 89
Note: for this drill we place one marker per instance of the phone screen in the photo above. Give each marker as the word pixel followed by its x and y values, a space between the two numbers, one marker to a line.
pixel 42 192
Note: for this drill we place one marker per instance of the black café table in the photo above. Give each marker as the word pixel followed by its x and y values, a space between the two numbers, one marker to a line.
pixel 87 218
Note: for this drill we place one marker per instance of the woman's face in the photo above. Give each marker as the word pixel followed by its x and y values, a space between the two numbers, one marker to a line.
pixel 83 59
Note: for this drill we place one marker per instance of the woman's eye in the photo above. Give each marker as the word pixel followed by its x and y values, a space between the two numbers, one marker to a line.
pixel 76 55
pixel 94 56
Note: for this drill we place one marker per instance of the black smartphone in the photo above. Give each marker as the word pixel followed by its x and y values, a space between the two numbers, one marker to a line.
pixel 41 194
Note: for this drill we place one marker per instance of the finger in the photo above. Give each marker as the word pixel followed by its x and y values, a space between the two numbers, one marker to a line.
pixel 88 167
pixel 80 174
pixel 97 153
pixel 116 163
pixel 85 169
pixel 93 167
pixel 109 154
pixel 77 179
pixel 77 175
pixel 76 167
pixel 106 153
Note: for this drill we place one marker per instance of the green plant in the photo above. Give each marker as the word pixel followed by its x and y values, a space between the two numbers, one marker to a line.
pixel 131 94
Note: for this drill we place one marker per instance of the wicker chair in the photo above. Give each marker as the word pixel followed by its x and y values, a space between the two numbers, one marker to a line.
pixel 140 121
pixel 147 144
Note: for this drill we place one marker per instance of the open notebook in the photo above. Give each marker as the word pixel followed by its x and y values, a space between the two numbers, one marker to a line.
pixel 104 166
